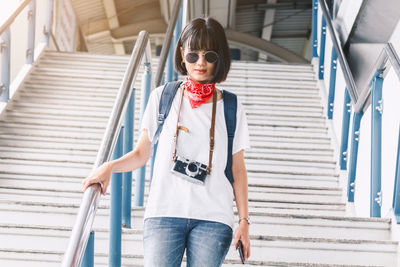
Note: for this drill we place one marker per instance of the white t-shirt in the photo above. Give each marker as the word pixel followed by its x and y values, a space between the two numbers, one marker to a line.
pixel 173 196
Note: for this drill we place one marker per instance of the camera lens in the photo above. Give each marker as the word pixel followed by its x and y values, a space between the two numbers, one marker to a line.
pixel 192 167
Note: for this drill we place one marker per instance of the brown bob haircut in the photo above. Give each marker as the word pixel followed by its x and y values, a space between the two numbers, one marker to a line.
pixel 205 33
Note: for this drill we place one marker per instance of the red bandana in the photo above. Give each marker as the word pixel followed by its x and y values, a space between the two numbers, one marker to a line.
pixel 198 93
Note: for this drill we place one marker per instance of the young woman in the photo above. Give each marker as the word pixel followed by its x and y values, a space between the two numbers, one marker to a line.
pixel 182 214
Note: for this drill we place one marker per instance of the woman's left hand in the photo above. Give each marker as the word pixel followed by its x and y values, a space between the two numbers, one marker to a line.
pixel 242 234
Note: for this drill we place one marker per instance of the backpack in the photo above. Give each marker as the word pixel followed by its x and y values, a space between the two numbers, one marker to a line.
pixel 230 108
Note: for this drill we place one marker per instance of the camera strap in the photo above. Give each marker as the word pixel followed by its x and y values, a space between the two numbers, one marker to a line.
pixel 212 132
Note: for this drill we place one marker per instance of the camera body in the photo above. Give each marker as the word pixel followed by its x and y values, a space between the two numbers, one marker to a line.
pixel 190 170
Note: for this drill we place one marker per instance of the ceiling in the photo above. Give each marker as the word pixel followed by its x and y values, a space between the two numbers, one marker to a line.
pixel 110 26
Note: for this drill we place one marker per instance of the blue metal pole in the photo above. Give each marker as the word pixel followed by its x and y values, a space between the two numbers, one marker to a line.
pixel 116 209
pixel 170 66
pixel 322 49
pixel 31 32
pixel 140 175
pixel 353 156
pixel 376 146
pixel 345 130
pixel 49 18
pixel 332 84
pixel 5 48
pixel 314 46
pixel 127 176
pixel 396 193
pixel 88 258
pixel 177 32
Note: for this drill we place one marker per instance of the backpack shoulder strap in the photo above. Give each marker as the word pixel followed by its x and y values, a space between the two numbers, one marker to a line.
pixel 167 96
pixel 230 108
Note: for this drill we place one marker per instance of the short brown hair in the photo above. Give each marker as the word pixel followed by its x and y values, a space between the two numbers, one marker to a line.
pixel 205 33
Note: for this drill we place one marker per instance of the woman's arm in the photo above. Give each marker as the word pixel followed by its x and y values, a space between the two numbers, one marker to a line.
pixel 129 162
pixel 240 190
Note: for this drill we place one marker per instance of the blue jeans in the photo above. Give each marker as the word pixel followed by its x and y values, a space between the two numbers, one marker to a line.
pixel 165 240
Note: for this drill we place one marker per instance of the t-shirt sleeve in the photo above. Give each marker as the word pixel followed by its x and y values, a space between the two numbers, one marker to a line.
pixel 149 119
pixel 242 138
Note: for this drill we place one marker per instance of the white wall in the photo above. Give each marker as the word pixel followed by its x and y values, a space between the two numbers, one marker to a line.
pixel 390 127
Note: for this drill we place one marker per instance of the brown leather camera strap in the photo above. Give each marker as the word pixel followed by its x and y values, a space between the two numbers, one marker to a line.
pixel 212 132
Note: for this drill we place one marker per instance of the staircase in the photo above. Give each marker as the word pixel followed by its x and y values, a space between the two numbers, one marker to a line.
pixel 50 134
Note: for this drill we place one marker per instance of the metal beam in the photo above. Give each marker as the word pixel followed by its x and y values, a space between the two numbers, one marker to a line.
pixel 264 46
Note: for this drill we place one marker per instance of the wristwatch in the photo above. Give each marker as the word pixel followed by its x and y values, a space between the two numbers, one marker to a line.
pixel 245 219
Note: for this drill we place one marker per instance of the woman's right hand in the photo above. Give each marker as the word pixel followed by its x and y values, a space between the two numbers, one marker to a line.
pixel 101 175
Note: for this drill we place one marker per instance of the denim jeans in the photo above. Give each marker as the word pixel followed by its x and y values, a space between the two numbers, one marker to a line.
pixel 166 238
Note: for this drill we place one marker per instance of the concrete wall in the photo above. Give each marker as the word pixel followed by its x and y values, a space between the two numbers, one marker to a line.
pixel 390 123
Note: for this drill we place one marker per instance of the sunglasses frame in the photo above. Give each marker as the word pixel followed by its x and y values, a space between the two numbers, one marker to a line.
pixel 201 54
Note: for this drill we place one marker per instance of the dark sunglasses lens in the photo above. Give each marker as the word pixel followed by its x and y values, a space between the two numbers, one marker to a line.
pixel 191 57
pixel 211 57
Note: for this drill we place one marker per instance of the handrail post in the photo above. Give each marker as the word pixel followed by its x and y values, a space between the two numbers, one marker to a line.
pixel 88 258
pixel 49 19
pixel 314 44
pixel 140 175
pixel 345 130
pixel 167 43
pixel 177 33
pixel 5 49
pixel 127 176
pixel 116 208
pixel 322 49
pixel 376 146
pixel 332 84
pixel 170 67
pixel 396 193
pixel 353 156
pixel 31 32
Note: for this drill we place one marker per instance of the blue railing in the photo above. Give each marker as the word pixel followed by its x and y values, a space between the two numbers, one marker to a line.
pixel 356 102
pixel 118 140
pixel 5 41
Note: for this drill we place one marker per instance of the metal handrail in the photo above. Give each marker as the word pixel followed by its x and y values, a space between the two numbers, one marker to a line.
pixel 387 58
pixel 167 43
pixel 13 16
pixel 348 76
pixel 81 230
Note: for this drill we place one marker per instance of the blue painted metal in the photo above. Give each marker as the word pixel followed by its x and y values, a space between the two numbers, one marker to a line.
pixel 170 64
pixel 322 50
pixel 49 18
pixel 116 209
pixel 376 146
pixel 127 176
pixel 88 258
pixel 345 130
pixel 31 32
pixel 396 193
pixel 332 84
pixel 314 44
pixel 5 46
pixel 177 32
pixel 353 156
pixel 140 175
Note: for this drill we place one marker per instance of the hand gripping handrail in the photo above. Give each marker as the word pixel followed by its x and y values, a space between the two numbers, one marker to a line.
pixel 348 76
pixel 81 230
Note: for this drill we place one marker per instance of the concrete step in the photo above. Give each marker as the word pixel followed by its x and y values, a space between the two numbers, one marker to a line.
pixel 280 248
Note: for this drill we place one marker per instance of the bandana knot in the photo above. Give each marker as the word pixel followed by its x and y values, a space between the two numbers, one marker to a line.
pixel 198 93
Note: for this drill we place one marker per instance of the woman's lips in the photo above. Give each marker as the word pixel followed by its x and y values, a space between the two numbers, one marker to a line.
pixel 200 71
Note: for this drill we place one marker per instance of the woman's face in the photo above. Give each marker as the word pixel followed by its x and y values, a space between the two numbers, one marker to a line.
pixel 200 71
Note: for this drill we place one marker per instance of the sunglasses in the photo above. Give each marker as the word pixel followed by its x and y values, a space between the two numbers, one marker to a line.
pixel 210 56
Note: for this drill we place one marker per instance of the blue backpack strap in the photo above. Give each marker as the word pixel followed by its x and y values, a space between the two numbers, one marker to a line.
pixel 167 96
pixel 230 108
